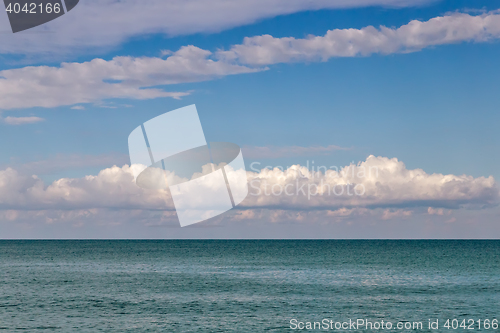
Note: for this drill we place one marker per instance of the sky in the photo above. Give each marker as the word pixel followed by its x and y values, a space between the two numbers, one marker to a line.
pixel 409 88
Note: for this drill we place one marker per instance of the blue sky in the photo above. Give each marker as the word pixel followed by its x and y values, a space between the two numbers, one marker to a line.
pixel 435 108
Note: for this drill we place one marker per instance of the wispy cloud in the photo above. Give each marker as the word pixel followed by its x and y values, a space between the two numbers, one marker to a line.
pixel 139 78
pixel 412 37
pixel 255 152
pixel 101 24
pixel 121 77
pixel 21 120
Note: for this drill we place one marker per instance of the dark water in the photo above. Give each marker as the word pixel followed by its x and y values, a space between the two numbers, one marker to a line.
pixel 243 286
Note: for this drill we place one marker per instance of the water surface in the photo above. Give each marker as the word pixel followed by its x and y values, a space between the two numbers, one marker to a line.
pixel 241 286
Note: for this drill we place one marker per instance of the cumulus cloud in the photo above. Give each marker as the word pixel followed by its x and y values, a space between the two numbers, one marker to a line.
pixel 414 36
pixel 111 188
pixel 397 203
pixel 378 182
pixel 139 78
pixel 121 77
pixel 107 23
pixel 386 184
pixel 21 120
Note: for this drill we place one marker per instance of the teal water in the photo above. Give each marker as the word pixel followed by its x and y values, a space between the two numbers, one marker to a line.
pixel 242 286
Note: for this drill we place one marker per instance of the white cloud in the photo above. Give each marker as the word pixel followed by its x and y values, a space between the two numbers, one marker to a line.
pixel 107 23
pixel 399 203
pixel 387 184
pixel 377 182
pixel 78 107
pixel 21 120
pixel 414 36
pixel 111 188
pixel 121 77
pixel 138 78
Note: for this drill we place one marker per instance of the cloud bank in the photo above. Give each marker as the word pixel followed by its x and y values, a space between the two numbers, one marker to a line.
pixel 139 78
pixel 387 183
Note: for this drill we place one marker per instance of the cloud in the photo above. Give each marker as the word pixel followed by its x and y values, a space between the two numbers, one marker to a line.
pixel 398 203
pixel 399 213
pixel 101 24
pixel 139 78
pixel 121 77
pixel 414 36
pixel 254 152
pixel 440 211
pixel 22 120
pixel 354 223
pixel 78 107
pixel 377 183
pixel 111 188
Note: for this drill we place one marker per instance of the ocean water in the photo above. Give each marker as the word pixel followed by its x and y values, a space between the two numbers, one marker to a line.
pixel 244 286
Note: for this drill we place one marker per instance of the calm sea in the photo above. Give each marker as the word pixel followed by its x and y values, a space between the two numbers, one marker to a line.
pixel 244 286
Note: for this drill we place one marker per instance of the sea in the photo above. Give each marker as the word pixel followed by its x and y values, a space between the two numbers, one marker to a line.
pixel 249 285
